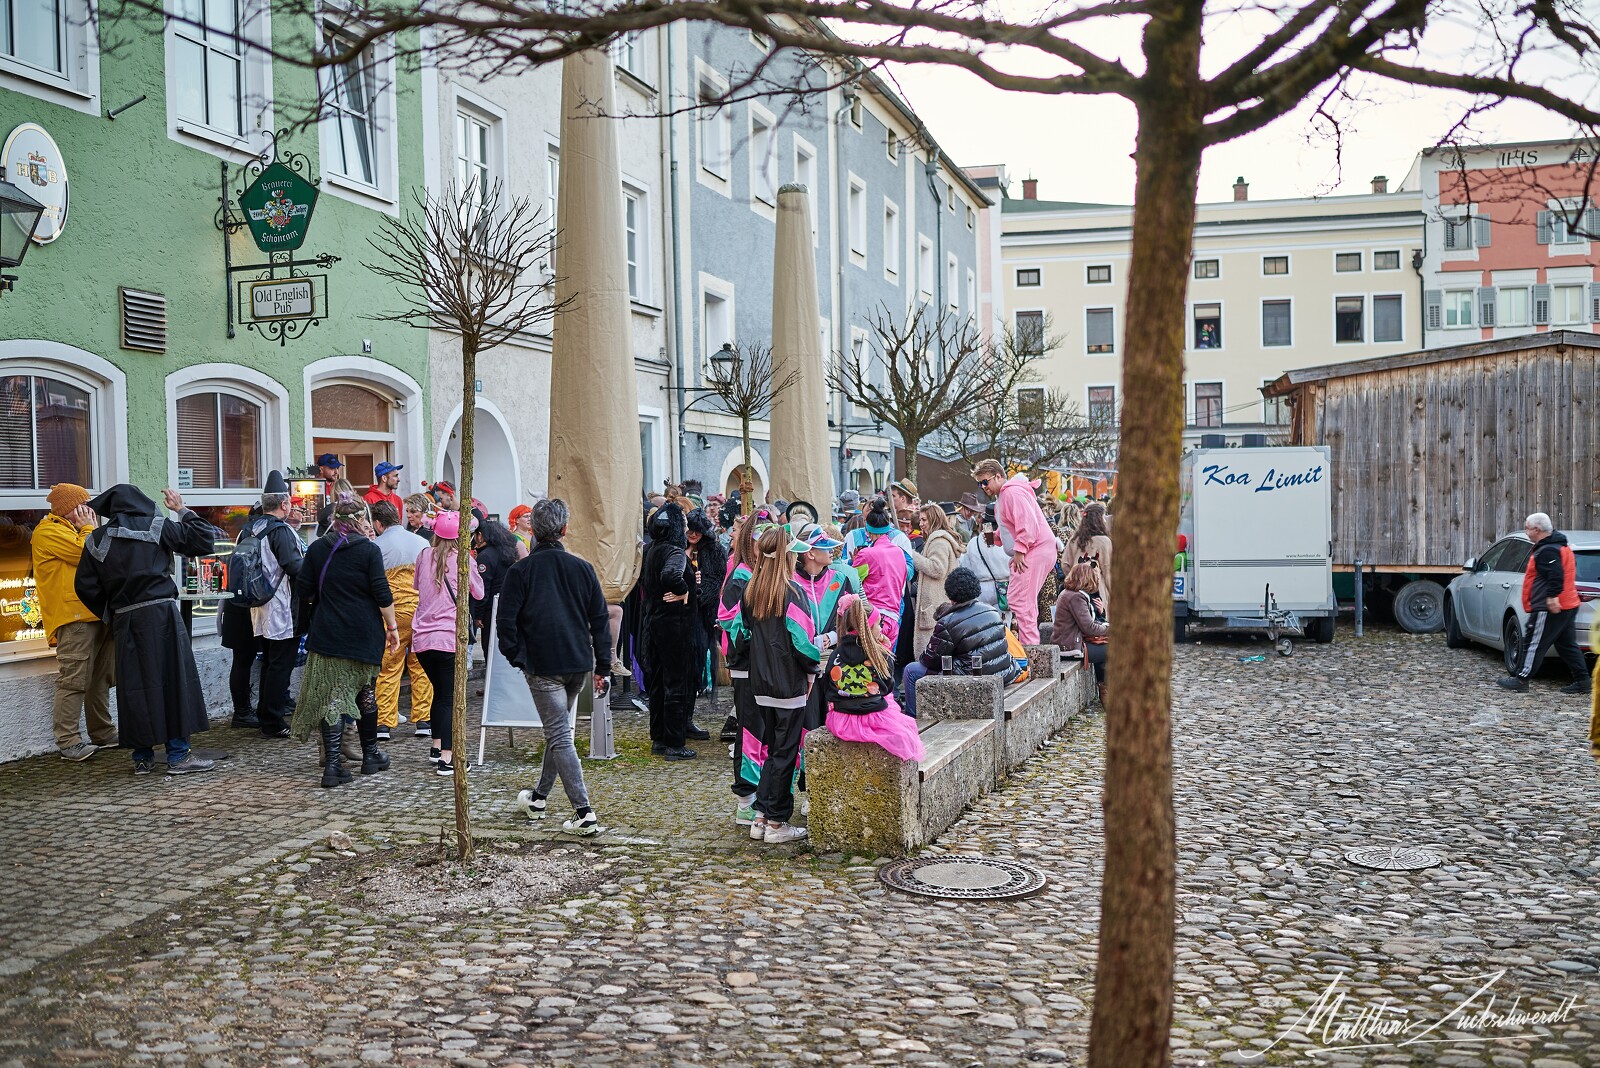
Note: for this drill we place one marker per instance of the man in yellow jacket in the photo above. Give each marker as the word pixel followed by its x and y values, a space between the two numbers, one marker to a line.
pixel 85 656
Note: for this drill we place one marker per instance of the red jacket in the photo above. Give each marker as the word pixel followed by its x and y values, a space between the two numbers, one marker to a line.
pixel 1552 572
pixel 375 494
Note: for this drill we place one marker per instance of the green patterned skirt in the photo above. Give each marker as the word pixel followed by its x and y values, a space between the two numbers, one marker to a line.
pixel 328 690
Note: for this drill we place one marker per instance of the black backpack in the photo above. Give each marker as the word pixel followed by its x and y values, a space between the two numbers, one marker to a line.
pixel 247 579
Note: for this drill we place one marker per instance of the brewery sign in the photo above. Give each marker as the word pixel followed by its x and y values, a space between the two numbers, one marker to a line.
pixel 277 208
pixel 33 163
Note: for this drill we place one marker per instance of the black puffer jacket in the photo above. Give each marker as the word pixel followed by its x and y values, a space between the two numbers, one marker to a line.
pixel 959 630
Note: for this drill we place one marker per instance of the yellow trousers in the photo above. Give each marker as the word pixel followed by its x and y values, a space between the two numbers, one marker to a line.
pixel 397 661
pixel 1594 700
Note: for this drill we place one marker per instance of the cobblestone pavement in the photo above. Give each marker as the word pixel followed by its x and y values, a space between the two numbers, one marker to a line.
pixel 693 946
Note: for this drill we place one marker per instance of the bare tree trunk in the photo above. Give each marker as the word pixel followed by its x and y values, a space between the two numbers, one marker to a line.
pixel 913 446
pixel 747 473
pixel 1133 983
pixel 458 710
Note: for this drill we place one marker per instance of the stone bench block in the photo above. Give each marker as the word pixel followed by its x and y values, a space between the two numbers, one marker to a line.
pixel 959 768
pixel 942 697
pixel 1044 661
pixel 863 798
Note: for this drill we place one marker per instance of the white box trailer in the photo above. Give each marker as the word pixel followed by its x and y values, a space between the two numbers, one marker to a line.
pixel 1255 520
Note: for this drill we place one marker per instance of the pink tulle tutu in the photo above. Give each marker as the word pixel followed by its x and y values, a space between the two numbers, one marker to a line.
pixel 892 729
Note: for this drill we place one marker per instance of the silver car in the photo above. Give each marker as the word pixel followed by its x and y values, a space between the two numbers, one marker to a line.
pixel 1484 603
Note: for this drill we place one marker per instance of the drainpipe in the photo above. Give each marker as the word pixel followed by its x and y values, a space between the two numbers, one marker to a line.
pixel 676 307
pixel 931 170
pixel 841 207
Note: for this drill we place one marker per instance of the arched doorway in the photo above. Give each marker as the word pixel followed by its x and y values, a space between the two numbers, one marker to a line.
pixel 730 471
pixel 496 474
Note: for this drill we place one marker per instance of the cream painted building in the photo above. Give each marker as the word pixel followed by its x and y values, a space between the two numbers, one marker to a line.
pixel 1274 284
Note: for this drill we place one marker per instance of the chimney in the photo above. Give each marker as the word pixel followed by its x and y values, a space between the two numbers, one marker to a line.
pixel 1030 189
pixel 1380 184
pixel 1241 189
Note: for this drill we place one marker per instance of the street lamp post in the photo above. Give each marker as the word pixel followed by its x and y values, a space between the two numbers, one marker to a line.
pixel 846 432
pixel 19 218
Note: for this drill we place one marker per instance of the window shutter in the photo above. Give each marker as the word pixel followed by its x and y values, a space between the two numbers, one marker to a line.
pixel 1386 319
pixel 1541 305
pixel 1275 329
pixel 1100 327
pixel 144 320
pixel 1543 228
pixel 1433 300
pixel 1486 306
pixel 1591 223
pixel 1452 235
pixel 16 432
pixel 198 446
pixel 1594 302
pixel 1480 231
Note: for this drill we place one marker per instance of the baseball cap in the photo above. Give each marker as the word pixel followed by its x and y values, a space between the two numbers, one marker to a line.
pixel 386 467
pixel 329 459
pixel 815 537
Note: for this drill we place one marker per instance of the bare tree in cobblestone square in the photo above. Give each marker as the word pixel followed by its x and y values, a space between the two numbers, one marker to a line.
pixel 740 382
pixel 466 262
pixel 921 371
pixel 1199 74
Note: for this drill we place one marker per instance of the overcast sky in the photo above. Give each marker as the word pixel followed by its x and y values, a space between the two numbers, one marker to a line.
pixel 1080 147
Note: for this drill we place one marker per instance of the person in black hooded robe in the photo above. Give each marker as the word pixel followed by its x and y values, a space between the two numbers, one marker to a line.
pixel 125 578
pixel 668 622
pixel 709 565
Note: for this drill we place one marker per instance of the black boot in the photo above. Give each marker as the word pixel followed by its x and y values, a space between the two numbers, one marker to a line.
pixel 334 773
pixel 372 761
pixel 244 716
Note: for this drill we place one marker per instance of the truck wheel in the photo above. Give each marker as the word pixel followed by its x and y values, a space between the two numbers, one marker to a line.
pixel 1320 630
pixel 1453 638
pixel 1419 607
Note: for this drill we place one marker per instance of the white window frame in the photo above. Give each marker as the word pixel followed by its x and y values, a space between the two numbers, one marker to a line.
pixel 891 145
pixel 1282 403
pixel 855 203
pixel 1583 304
pixel 383 191
pixel 1500 319
pixel 972 295
pixel 629 54
pixel 248 384
pixel 1088 406
pixel 1372 315
pixel 805 173
pixel 107 388
pixel 1016 326
pixel 1399 261
pixel 1560 210
pixel 255 87
pixel 952 282
pixel 640 195
pixel 1100 308
pixel 1222 403
pixel 891 240
pixel 1459 213
pixel 1018 283
pixel 1188 327
pixel 77 85
pixel 925 269
pixel 552 203
pixel 1288 264
pixel 1111 274
pixel 477 109
pixel 713 161
pixel 764 180
pixel 1366 317
pixel 726 292
pixel 1194 264
pixel 1471 296
pixel 1361 260
pixel 1261 320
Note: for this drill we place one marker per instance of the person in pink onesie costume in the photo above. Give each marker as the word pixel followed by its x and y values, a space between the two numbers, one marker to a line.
pixel 1027 534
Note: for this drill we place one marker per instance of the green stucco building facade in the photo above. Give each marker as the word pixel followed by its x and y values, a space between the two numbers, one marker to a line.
pixel 116 360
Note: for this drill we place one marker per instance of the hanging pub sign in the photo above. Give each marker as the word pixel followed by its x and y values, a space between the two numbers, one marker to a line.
pixel 268 300
pixel 277 208
pixel 33 162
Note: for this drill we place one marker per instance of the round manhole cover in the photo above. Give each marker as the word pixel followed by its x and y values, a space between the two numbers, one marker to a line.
pixel 1395 858
pixel 963 878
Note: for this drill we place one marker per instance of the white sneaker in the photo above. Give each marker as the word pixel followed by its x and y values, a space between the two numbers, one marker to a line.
pixel 758 829
pixel 778 833
pixel 532 807
pixel 585 826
